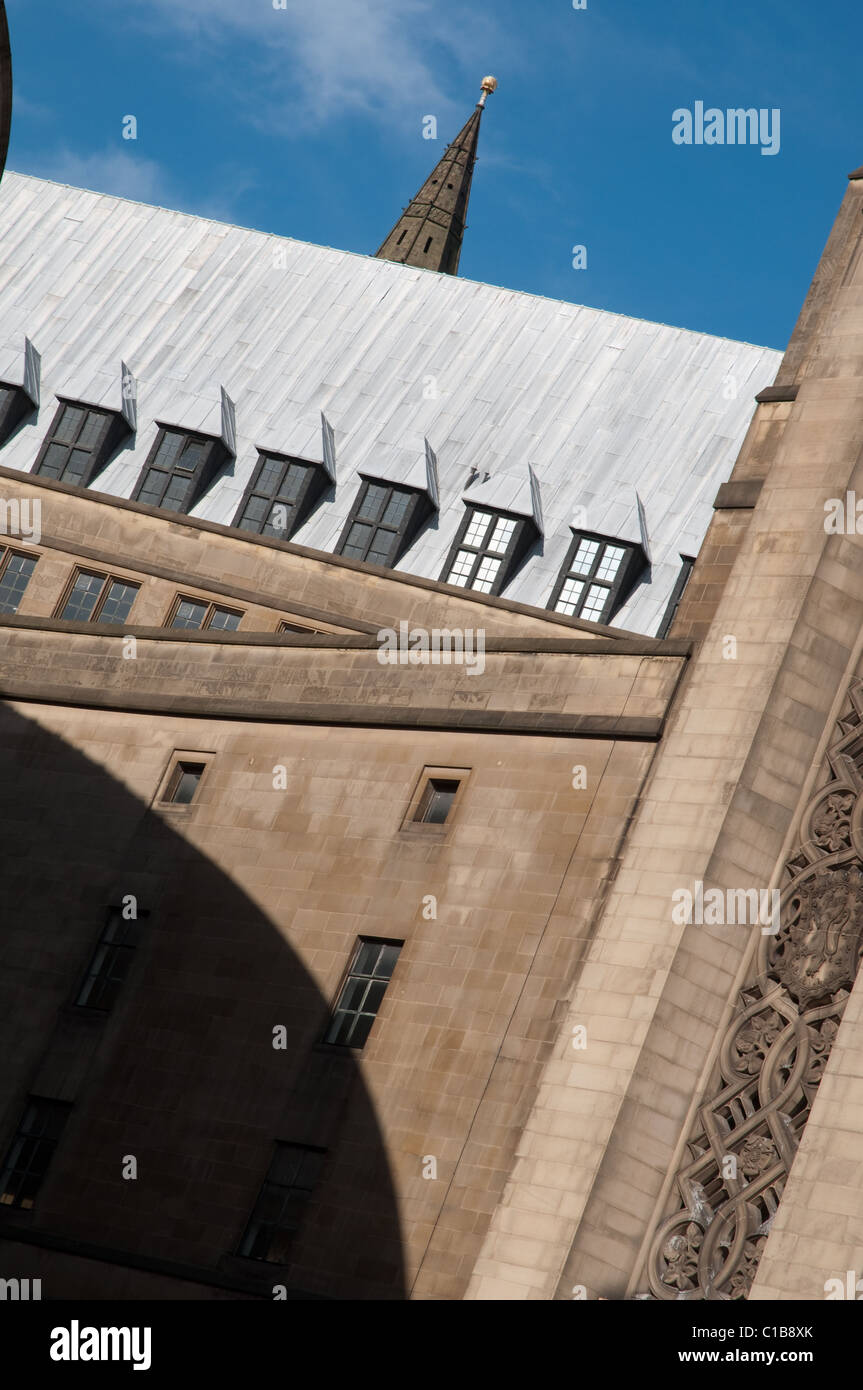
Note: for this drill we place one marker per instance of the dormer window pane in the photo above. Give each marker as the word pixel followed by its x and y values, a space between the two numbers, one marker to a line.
pixel 596 576
pixel 501 535
pixel 382 522
pixel 79 442
pixel 477 528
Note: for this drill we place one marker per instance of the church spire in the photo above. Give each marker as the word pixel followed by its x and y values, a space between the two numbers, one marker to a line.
pixel 430 230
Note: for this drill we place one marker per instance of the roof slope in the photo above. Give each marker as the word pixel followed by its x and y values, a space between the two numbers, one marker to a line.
pixel 599 404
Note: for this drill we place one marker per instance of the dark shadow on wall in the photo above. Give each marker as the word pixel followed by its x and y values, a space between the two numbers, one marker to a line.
pixel 182 1073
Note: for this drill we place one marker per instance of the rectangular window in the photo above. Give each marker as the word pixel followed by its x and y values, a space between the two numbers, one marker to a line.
pixel 280 495
pixel 195 615
pixel 15 572
pixel 436 800
pixel 596 576
pixel 676 595
pixel 361 994
pixel 98 598
pixel 488 550
pixel 110 962
pixel 282 1202
pixel 79 443
pixel 183 783
pixel 31 1152
pixel 179 468
pixel 382 522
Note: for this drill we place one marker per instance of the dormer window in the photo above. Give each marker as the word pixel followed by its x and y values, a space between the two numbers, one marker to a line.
pixel 597 575
pixel 179 469
pixel 488 550
pixel 14 405
pixel 384 520
pixel 282 492
pixel 79 443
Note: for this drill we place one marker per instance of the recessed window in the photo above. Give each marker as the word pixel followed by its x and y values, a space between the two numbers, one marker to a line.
pixel 280 496
pixel 31 1152
pixel 488 550
pixel 362 993
pixel 110 962
pixel 297 627
pixel 676 595
pixel 79 443
pixel 282 1203
pixel 98 598
pixel 15 404
pixel 195 615
pixel 183 783
pixel 383 521
pixel 15 573
pixel 437 800
pixel 178 470
pixel 596 577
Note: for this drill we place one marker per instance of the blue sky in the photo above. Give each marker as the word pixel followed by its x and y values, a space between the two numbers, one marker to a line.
pixel 307 121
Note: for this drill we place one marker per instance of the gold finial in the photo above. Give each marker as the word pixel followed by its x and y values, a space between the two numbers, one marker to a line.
pixel 488 84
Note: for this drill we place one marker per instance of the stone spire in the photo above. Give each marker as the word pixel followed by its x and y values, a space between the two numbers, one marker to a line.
pixel 430 230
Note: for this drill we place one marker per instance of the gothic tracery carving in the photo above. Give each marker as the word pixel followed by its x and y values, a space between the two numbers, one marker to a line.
pixel 774 1051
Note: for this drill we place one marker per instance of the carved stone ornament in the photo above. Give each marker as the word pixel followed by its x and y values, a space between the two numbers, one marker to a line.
pixel 774 1051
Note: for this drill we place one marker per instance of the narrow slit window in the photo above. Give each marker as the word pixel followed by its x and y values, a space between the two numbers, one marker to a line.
pixel 31 1151
pixel 362 993
pixel 282 1203
pixel 110 962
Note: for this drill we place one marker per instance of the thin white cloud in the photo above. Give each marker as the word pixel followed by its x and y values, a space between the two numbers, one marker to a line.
pixel 316 60
pixel 124 174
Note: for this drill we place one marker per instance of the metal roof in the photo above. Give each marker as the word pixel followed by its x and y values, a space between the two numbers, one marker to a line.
pixel 601 406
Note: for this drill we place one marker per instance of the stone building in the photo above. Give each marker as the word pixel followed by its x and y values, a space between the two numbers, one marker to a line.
pixel 360 728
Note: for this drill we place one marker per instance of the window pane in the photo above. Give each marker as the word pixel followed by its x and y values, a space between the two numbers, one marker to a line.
pixel 256 509
pixel 82 600
pixel 394 512
pixel 294 479
pixel 30 1152
pixel 610 562
pixel 381 548
pixel 189 614
pixel 437 800
pixel 462 566
pixel 269 477
pixel 279 519
pixel 570 596
pixel 76 467
pixel 584 557
pixel 94 428
pixel 501 535
pixel 184 783
pixel 224 620
pixel 362 993
pixel 595 603
pixel 14 581
pixel 54 461
pixel 69 424
pixel 168 449
pixel 153 487
pixel 191 455
pixel 486 574
pixel 477 528
pixel 371 502
pixel 358 537
pixel 176 492
pixel 120 598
